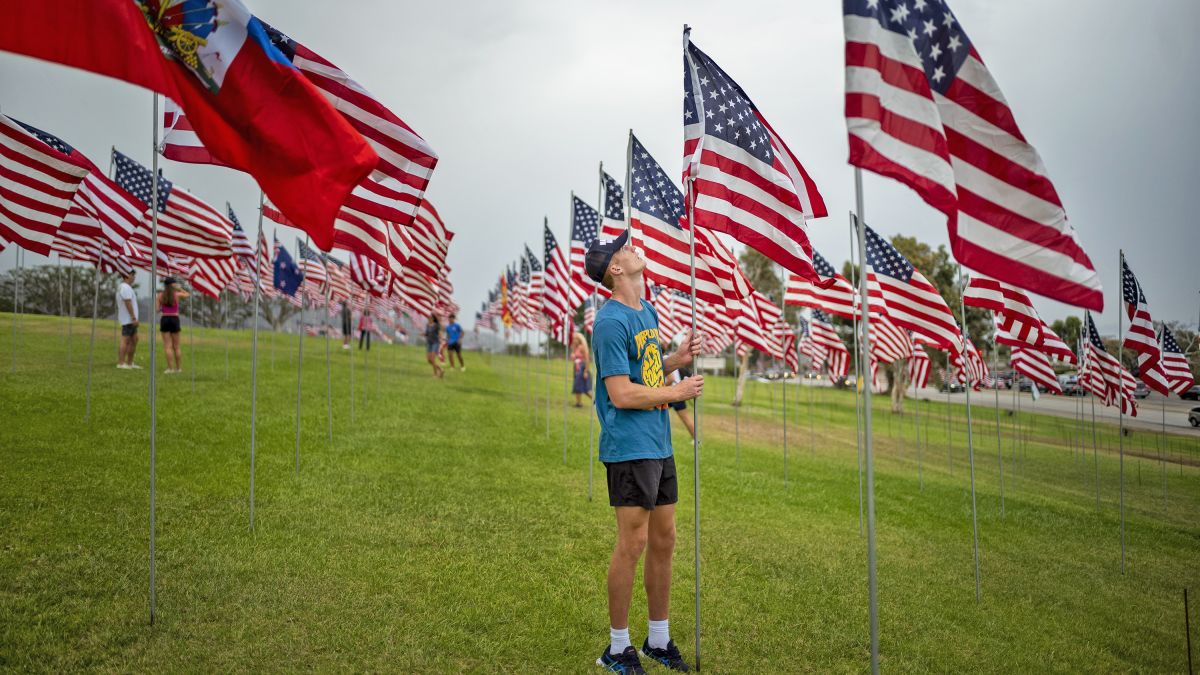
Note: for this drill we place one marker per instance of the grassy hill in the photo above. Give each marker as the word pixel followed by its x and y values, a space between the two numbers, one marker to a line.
pixel 441 530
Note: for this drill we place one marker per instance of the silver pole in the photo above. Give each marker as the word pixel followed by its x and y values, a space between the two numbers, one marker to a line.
pixel 591 418
pixel 999 444
pixel 872 589
pixel 258 280
pixel 87 411
pixel 153 350
pixel 858 376
pixel 567 397
pixel 191 341
pixel 328 367
pixel 70 307
pixel 546 378
pixel 299 361
pixel 225 326
pixel 696 407
pixel 16 308
pixel 917 420
pixel 737 434
pixel 1162 462
pixel 970 436
pixel 351 369
pixel 1121 398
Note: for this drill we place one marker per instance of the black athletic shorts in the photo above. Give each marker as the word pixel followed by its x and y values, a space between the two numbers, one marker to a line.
pixel 168 324
pixel 129 329
pixel 678 405
pixel 642 482
pixel 455 347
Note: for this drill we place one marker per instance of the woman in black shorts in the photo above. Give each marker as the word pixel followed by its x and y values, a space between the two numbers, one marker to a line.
pixel 433 344
pixel 167 301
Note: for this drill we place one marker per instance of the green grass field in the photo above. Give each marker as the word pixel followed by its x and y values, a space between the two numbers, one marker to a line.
pixel 441 530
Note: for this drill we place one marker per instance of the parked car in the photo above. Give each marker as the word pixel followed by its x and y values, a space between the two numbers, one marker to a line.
pixel 952 387
pixel 1141 391
pixel 1194 417
pixel 1192 394
pixel 1070 385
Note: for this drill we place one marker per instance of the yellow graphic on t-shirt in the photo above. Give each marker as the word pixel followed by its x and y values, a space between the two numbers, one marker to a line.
pixel 652 367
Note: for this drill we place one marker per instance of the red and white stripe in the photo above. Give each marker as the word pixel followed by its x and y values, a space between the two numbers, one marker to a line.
pixel 889 343
pixel 1140 336
pixel 975 372
pixel 916 305
pixel 1175 367
pixel 1036 366
pixel 837 356
pixel 918 368
pixel 210 276
pixel 430 240
pixel 761 205
pixel 1103 374
pixel 180 142
pixel 964 155
pixel 37 186
pixel 558 295
pixel 1022 322
pixel 840 298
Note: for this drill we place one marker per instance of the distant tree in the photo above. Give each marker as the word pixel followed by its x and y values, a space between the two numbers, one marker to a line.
pixel 1068 329
pixel 60 290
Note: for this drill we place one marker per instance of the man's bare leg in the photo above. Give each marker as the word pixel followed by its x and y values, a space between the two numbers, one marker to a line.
pixel 632 531
pixel 660 548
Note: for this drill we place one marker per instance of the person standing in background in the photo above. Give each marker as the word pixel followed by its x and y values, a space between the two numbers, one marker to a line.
pixel 347 325
pixel 127 317
pixel 582 384
pixel 433 340
pixel 454 334
pixel 366 324
pixel 168 302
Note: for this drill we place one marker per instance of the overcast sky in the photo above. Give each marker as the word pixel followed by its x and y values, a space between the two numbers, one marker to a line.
pixel 523 99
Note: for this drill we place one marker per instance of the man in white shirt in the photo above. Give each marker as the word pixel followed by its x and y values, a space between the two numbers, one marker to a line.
pixel 127 316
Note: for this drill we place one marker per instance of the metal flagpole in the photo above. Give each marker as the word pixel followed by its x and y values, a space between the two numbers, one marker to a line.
pixel 191 341
pixel 258 275
pixel 1121 398
pixel 917 420
pixel 690 194
pixel 566 397
pixel 16 308
pixel 872 588
pixel 1162 462
pixel 999 444
pixel 225 327
pixel 299 357
pixel 70 307
pixel 812 413
pixel 328 367
pixel 591 418
pixel 737 435
pixel 87 410
pixel 351 370
pixel 970 435
pixel 153 351
pixel 858 376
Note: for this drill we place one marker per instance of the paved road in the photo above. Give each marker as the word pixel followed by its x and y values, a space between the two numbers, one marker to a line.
pixel 1150 409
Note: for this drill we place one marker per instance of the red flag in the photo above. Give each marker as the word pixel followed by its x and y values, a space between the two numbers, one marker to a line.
pixel 246 103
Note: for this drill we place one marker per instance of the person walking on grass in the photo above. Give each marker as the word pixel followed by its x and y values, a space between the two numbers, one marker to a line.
pixel 347 325
pixel 635 445
pixel 454 334
pixel 433 341
pixel 366 324
pixel 167 301
pixel 582 385
pixel 127 317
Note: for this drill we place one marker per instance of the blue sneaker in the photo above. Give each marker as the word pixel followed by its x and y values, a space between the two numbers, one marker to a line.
pixel 668 656
pixel 626 662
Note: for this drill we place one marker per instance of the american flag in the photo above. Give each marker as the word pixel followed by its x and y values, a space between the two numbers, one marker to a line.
pixel 889 343
pixel 589 313
pixel 823 333
pixel 746 182
pixel 1023 320
pixel 922 108
pixel 1103 373
pixel 210 276
pixel 341 288
pixel 416 291
pixel 262 266
pixel 585 229
pixel 430 240
pixel 756 318
pixel 656 210
pixel 100 208
pixel 537 280
pixel 715 323
pixel 918 367
pixel 613 223
pixel 312 265
pixel 186 224
pixel 369 275
pixel 975 372
pixel 240 243
pixel 1174 364
pixel 670 323
pixel 1140 336
pixel 1036 366
pixel 38 182
pixel 810 348
pixel 1043 339
pixel 558 296
pixel 839 298
pixel 906 296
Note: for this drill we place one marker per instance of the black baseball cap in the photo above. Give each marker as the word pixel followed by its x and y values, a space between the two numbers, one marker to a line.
pixel 600 253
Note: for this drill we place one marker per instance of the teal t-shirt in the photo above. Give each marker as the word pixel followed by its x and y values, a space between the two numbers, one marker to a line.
pixel 625 342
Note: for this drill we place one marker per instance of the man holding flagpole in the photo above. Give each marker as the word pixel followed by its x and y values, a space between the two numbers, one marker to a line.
pixel 632 398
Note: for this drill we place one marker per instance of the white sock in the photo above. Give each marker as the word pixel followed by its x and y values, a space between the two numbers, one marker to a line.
pixel 659 634
pixel 618 640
